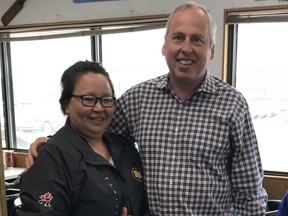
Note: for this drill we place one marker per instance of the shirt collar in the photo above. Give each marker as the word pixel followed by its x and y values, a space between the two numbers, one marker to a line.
pixel 114 143
pixel 208 84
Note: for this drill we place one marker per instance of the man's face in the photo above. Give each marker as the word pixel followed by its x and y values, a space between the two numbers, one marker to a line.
pixel 187 47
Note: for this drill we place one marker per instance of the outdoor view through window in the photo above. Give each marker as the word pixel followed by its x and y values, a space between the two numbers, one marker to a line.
pixel 36 70
pixel 38 65
pixel 262 76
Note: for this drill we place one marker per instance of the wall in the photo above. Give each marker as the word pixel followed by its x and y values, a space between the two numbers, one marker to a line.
pixel 40 11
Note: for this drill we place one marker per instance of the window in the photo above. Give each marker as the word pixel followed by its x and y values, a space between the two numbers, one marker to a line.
pixel 132 58
pixel 257 66
pixel 32 63
pixel 36 68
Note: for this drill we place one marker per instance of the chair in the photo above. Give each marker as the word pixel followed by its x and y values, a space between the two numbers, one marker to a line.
pixel 13 200
pixel 272 207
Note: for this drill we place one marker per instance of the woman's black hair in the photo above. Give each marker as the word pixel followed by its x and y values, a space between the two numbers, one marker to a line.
pixel 72 74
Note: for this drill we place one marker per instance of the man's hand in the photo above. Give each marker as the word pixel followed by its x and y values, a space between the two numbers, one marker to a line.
pixel 32 152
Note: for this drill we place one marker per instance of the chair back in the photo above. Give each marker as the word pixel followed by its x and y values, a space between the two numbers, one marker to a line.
pixel 13 200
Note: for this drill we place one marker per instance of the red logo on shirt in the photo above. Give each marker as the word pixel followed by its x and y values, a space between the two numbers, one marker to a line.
pixel 45 199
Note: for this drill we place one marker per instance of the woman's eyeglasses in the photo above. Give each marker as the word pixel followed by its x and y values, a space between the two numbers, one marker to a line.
pixel 91 101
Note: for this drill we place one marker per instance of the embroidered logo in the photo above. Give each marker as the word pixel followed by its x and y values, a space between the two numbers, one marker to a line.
pixel 137 174
pixel 46 199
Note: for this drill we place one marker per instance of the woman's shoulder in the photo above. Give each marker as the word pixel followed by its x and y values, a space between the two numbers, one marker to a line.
pixel 60 144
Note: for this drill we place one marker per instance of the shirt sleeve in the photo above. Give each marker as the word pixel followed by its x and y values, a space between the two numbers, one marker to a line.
pixel 250 198
pixel 120 124
pixel 45 187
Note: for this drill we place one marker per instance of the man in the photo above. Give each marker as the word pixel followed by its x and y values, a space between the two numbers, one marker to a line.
pixel 195 133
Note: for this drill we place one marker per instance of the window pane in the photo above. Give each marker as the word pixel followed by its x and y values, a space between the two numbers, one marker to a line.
pixel 261 75
pixel 36 69
pixel 131 58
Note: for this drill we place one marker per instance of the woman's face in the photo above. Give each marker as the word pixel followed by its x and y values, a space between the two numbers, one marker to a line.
pixel 90 122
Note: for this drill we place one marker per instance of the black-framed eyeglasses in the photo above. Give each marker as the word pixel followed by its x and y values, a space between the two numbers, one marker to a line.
pixel 91 101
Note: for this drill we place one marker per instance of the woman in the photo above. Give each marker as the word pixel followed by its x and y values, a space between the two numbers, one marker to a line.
pixel 84 170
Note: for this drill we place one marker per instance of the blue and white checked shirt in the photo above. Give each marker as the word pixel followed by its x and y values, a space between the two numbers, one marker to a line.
pixel 200 155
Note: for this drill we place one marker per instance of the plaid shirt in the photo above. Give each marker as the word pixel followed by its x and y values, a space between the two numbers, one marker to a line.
pixel 200 155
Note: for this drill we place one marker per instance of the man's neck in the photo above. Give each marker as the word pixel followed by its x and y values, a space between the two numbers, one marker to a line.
pixel 183 90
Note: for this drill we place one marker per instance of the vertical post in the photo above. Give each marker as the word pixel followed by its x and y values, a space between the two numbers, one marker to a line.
pixel 3 204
